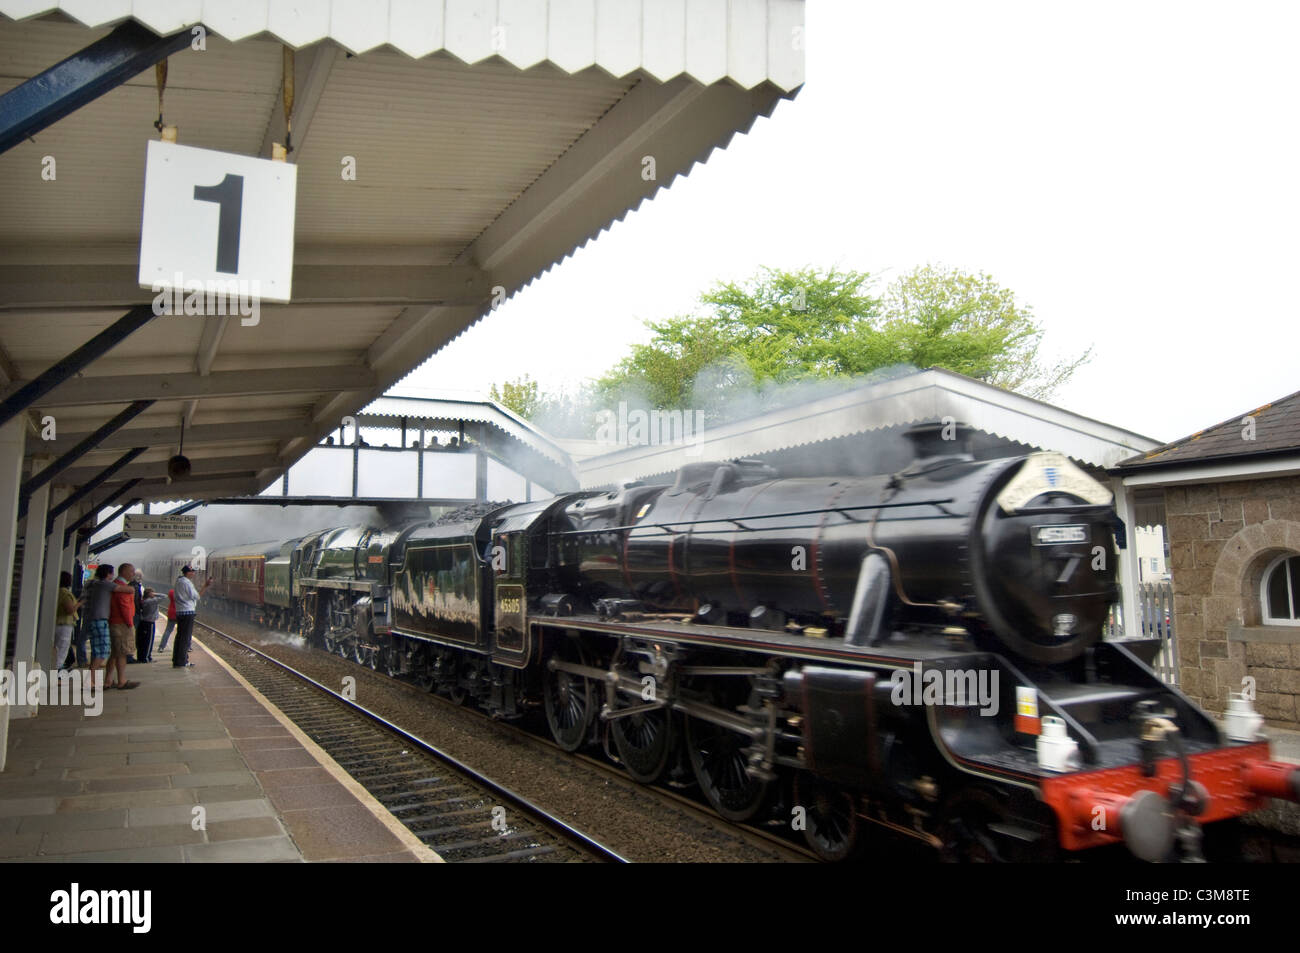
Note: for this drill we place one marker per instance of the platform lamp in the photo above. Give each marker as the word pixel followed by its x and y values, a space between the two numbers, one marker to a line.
pixel 178 467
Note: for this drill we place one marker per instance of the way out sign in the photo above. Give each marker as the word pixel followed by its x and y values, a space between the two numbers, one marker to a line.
pixel 212 218
pixel 138 526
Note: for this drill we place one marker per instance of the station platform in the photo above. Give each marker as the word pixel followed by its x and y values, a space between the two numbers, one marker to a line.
pixel 126 785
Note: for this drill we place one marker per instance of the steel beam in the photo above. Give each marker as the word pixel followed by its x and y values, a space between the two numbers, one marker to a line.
pixel 251 383
pixel 96 482
pixel 156 491
pixel 109 500
pixel 33 390
pixel 82 78
pixel 112 516
pixel 235 431
pixel 87 443
pixel 109 543
pixel 47 286
pixel 202 467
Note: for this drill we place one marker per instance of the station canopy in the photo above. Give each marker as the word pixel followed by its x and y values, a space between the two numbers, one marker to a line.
pixel 861 429
pixel 500 431
pixel 489 141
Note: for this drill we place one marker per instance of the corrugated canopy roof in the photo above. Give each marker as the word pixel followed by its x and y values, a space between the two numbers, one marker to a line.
pixel 929 395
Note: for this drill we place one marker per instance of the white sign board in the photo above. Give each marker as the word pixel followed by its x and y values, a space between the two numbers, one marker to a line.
pixel 139 526
pixel 212 218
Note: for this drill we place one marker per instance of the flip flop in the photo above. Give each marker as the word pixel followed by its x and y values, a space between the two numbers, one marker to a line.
pixel 131 685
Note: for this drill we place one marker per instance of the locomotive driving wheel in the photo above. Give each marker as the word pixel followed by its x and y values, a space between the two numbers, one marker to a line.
pixel 645 743
pixel 390 659
pixel 456 692
pixel 831 823
pixel 424 679
pixel 719 759
pixel 568 699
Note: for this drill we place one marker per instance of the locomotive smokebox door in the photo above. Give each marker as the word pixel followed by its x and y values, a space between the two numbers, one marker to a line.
pixel 840 725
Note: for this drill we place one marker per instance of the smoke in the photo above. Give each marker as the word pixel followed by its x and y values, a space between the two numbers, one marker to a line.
pixel 223 526
pixel 286 639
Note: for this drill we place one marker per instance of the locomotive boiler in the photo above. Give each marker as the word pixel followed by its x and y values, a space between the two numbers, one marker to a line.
pixel 1014 552
pixel 919 651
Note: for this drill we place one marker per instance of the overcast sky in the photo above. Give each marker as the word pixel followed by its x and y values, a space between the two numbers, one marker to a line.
pixel 1128 169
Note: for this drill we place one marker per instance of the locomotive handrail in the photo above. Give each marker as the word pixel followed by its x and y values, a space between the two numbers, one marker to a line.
pixel 740 524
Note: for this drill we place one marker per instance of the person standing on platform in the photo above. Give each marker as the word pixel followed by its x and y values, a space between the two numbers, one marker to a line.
pixel 65 620
pixel 187 601
pixel 137 583
pixel 81 579
pixel 98 598
pixel 121 627
pixel 171 619
pixel 144 629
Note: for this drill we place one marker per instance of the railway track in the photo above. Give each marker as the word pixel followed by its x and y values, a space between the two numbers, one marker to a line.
pixel 785 848
pixel 456 811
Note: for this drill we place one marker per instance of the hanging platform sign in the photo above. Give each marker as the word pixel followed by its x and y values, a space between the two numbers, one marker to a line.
pixel 217 222
pixel 139 526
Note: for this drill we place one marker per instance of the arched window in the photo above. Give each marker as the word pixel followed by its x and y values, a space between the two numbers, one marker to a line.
pixel 1280 591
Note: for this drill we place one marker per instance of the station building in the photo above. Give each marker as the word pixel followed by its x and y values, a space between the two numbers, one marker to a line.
pixel 1229 497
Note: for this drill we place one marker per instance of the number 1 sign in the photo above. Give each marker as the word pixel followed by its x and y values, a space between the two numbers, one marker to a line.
pixel 211 218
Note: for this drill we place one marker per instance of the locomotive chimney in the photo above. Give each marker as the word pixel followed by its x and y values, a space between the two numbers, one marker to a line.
pixel 945 438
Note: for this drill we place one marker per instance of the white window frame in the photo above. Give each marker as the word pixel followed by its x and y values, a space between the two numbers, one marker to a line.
pixel 1291 593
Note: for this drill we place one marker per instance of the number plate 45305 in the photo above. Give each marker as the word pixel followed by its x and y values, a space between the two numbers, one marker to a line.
pixel 1056 534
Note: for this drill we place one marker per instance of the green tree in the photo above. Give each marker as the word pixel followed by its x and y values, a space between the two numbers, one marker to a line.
pixel 784 326
pixel 521 395
pixel 938 317
pixel 778 327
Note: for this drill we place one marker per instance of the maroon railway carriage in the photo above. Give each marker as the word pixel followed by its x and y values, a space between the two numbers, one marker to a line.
pixel 238 575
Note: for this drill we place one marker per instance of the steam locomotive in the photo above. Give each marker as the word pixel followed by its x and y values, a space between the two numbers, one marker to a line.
pixel 919 651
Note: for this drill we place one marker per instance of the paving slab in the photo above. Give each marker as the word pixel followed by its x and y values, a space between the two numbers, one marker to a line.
pixel 194 766
pixel 258 850
pixel 80 821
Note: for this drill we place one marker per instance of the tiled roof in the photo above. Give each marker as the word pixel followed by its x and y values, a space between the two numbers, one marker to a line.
pixel 1271 429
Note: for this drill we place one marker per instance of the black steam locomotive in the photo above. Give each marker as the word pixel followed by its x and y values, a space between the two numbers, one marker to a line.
pixel 918 651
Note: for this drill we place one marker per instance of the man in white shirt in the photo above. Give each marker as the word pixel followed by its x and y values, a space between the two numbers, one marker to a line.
pixel 187 600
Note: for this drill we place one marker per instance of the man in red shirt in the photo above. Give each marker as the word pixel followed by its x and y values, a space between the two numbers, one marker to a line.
pixel 121 627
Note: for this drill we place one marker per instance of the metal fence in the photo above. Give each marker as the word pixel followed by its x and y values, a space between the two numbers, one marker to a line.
pixel 1156 619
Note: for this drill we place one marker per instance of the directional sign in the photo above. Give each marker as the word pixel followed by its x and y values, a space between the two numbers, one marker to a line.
pixel 138 526
pixel 213 218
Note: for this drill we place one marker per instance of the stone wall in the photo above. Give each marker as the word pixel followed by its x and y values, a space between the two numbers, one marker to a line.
pixel 1222 536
